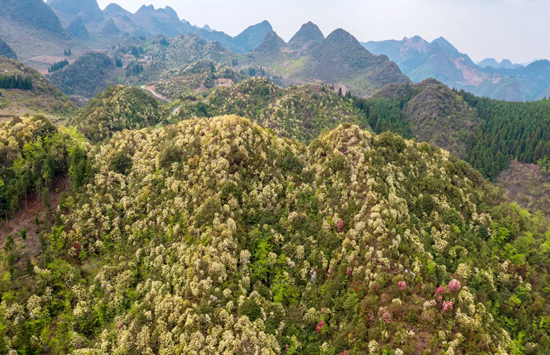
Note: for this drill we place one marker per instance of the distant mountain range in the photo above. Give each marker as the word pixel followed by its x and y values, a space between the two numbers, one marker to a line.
pixel 439 59
pixel 31 29
pixel 505 64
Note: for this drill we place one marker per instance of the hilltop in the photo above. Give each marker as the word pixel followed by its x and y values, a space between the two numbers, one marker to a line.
pixel 87 76
pixel 299 112
pixel 42 98
pixel 307 37
pixel 354 242
pixel 434 113
pixel 69 10
pixel 246 41
pixel 116 109
pixel 504 64
pixel 200 77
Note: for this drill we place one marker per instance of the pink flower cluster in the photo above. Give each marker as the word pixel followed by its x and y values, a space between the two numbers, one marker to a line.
pixel 402 285
pixel 340 225
pixel 384 298
pixel 440 291
pixel 384 314
pixel 454 286
pixel 320 326
pixel 447 306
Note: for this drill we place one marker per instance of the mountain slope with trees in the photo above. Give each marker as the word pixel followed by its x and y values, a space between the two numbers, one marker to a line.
pixel 215 235
pixel 87 76
pixel 116 109
pixel 30 94
pixel 299 112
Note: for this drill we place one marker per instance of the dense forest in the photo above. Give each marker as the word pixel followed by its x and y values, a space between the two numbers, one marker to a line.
pixel 11 81
pixel 32 153
pixel 491 132
pixel 58 66
pixel 300 112
pixel 512 130
pixel 217 236
pixel 317 227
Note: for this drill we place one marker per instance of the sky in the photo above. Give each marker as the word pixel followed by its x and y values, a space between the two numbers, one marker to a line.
pixel 511 29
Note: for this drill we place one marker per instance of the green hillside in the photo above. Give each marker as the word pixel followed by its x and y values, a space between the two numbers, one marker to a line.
pixel 300 112
pixel 87 76
pixel 42 98
pixel 200 77
pixel 116 109
pixel 216 236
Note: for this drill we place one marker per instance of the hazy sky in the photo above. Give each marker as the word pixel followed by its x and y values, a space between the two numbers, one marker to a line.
pixel 513 29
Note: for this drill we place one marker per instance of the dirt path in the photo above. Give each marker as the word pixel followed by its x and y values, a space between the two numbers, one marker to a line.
pixel 151 89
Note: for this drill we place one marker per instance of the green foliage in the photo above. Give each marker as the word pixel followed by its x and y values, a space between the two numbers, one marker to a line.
pixel 512 130
pixel 33 154
pixel 301 112
pixel 133 69
pixel 116 109
pixel 544 163
pixel 15 82
pixel 87 76
pixel 58 66
pixel 217 229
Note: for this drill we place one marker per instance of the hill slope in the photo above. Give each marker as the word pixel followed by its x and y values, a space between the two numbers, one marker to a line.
pixel 87 76
pixel 299 112
pixel 6 50
pixel 44 98
pixel 116 109
pixel 200 77
pixel 216 236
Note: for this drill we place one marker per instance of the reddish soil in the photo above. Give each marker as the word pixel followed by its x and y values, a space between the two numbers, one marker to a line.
pixel 25 218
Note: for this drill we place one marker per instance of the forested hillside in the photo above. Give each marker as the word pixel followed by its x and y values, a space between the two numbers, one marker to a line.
pixel 32 153
pixel 215 235
pixel 25 91
pixel 512 130
pixel 300 112
pixel 200 77
pixel 487 133
pixel 87 76
pixel 116 109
